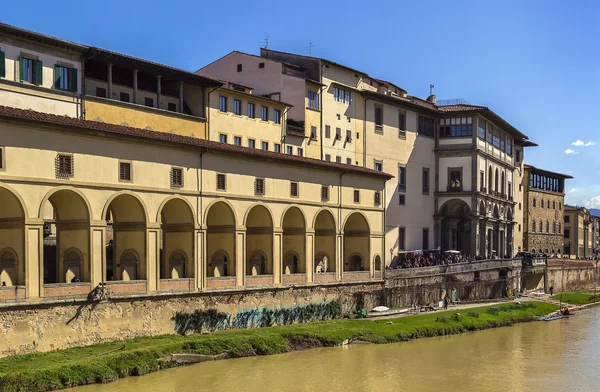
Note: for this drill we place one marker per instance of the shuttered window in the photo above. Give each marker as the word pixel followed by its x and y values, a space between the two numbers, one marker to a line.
pixel 30 71
pixel 176 177
pixel 293 189
pixel 324 193
pixel 221 182
pixel 377 198
pixel 124 171
pixel 65 78
pixel 64 166
pixel 356 196
pixel 259 187
pixel 2 64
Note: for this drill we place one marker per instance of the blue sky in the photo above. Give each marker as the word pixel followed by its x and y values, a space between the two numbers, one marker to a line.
pixel 536 63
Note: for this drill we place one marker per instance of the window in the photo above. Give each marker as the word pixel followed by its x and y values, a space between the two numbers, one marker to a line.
pixel 496 138
pixel 261 65
pixel 567 219
pixel 547 227
pixel 2 164
pixel 455 179
pixel 64 166
pixel 277 147
pixel 289 150
pixel 567 233
pixel 259 187
pixel 378 166
pixel 456 127
pixel 559 228
pixel 293 189
pixel 534 203
pixel 328 157
pixel 239 67
pixel 482 181
pixel 123 97
pixel 300 152
pixel 425 238
pixel 401 199
pixel 124 171
pixel 402 178
pixel 481 129
pixel 264 113
pixel 548 204
pixel 425 180
pixel 338 159
pixel 176 177
pixel 402 122
pixel 313 100
pixel 250 110
pixel 378 119
pixel 377 198
pixel 401 238
pixel 356 196
pixel 172 107
pixel 237 107
pixel 489 133
pixel 101 92
pixel 533 227
pixel 31 71
pixel 313 133
pixel 518 156
pixel 348 136
pixel 553 227
pixel 559 205
pixel 277 116
pixel 542 203
pixel 237 140
pixel 223 138
pixel 348 161
pixel 541 227
pixel 65 78
pixel 425 127
pixel 509 190
pixel 220 182
pixel 338 134
pixel 341 95
pixel 223 104
pixel 508 147
pixel 251 143
pixel 327 131
pixel 324 193
pixel 148 102
pixel 265 146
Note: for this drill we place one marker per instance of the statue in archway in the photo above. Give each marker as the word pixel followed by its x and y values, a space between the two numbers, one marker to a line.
pixel 324 264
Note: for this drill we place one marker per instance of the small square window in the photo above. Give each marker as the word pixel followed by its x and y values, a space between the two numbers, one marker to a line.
pixel 265 146
pixel 251 143
pixel 176 177
pixel 220 182
pixel 379 166
pixel 149 102
pixel 293 189
pixel 401 199
pixel 223 138
pixel 261 65
pixel 124 97
pixel 65 78
pixel 356 196
pixel 125 171
pixel 289 150
pixel 328 157
pixel 357 135
pixel 348 161
pixel 338 159
pixel 237 140
pixel 259 187
pixel 324 193
pixel 377 198
pixel 300 152
pixel 64 166
pixel 239 67
pixel 277 147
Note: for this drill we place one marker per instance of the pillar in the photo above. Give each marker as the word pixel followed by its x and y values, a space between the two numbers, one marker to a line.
pixel 474 248
pixel 34 260
pixel 200 259
pixel 339 256
pixel 437 233
pixel 97 253
pixel 180 97
pixel 110 79
pixel 240 258
pixel 277 255
pixel 158 92
pixel 310 255
pixel 135 86
pixel 153 258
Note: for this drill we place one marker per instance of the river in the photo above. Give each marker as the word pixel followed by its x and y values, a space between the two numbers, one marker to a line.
pixel 554 356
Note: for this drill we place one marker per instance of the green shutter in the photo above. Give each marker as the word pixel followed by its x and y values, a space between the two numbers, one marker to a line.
pixel 21 69
pixel 74 81
pixel 57 76
pixel 2 65
pixel 39 80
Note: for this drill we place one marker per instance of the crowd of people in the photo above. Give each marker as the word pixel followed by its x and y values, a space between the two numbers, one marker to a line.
pixel 431 259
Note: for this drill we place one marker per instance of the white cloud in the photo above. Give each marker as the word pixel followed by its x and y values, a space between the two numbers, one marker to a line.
pixel 572 190
pixel 568 151
pixel 594 202
pixel 581 143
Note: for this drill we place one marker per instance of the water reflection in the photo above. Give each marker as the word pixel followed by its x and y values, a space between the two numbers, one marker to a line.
pixel 550 356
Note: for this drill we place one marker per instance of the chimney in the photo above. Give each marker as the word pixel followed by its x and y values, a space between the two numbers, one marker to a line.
pixel 431 99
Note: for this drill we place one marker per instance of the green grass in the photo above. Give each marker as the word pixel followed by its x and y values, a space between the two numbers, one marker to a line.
pixel 577 298
pixel 99 363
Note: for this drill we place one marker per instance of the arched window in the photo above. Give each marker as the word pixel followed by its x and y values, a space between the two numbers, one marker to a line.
pixel 559 228
pixel 542 203
pixel 554 228
pixel 496 179
pixel 534 202
pixel 490 179
pixel 547 227
pixel 554 205
pixel 541 227
pixel 533 227
pixel 548 203
pixel 502 184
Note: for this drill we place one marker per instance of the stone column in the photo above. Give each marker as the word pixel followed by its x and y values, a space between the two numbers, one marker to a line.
pixel 97 253
pixel 153 258
pixel 339 255
pixel 158 92
pixel 34 260
pixel 180 97
pixel 110 80
pixel 240 257
pixel 277 255
pixel 310 255
pixel 474 249
pixel 135 86
pixel 200 257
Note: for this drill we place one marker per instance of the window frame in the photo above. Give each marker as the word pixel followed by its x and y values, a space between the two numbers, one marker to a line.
pixel 296 185
pixel 289 150
pixel 277 147
pixel 426 185
pixel 60 174
pixel 257 191
pixel 376 163
pixel 377 198
pixel 224 177
pixel 378 118
pixel 251 110
pixel 174 185
pixel 313 133
pixel 451 188
pixel 425 126
pixel 237 107
pixel 236 139
pixel 401 243
pixel 276 116
pixel 251 143
pixel 130 180
pixel 425 238
pixel 222 104
pixel 356 196
pixel 300 151
pixel 402 172
pixel 264 145
pixel 264 113
pixel 313 102
pixel 324 192
pixel 221 137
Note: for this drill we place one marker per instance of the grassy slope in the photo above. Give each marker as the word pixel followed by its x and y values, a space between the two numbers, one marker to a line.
pixel 85 365
pixel 577 298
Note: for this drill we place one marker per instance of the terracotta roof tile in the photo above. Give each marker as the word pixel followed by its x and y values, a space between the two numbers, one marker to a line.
pixel 461 108
pixel 45 118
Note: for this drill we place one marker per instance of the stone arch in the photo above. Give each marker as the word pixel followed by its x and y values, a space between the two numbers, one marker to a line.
pixel 293 224
pixel 496 211
pixel 298 210
pixel 177 222
pixel 357 238
pixel 456 226
pixel 253 208
pixel 67 214
pixel 220 200
pixel 220 224
pixel 13 205
pixel 9 267
pixel 356 262
pixel 259 240
pixel 325 241
pixel 318 213
pixel 482 209
pixel 177 199
pixel 127 219
pixel 377 263
pixel 13 213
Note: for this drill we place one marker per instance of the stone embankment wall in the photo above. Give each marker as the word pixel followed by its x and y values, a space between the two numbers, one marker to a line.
pixel 51 326
pixel 571 278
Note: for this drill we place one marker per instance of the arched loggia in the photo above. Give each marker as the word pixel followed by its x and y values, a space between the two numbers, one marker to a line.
pixel 177 250
pixel 12 247
pixel 357 240
pixel 259 242
pixel 294 242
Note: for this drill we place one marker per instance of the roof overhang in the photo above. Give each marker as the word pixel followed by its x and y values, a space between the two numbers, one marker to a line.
pixel 399 102
pixel 547 172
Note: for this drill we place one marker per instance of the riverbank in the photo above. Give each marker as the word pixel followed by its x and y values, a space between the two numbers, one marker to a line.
pixel 110 361
pixel 577 298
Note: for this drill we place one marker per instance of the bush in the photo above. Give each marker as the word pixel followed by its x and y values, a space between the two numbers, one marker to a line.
pixel 473 314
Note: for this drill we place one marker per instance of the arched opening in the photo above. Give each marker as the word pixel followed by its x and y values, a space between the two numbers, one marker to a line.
pixel 325 243
pixel 12 234
pixel 357 238
pixel 456 226
pixel 482 210
pixel 177 245
pixel 259 241
pixel 66 238
pixel 502 186
pixel 294 242
pixel 126 234
pixel 377 263
pixel 220 232
pixel 496 181
pixel 490 189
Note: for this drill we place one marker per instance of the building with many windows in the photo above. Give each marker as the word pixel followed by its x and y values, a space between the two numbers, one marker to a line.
pixel 577 234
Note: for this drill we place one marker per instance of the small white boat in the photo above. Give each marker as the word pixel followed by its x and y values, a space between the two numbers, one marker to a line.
pixel 380 309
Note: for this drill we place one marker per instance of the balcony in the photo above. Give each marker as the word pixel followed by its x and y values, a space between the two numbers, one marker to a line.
pixel 294 128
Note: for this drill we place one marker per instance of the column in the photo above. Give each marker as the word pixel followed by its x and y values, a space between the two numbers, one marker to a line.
pixel 339 256
pixel 310 255
pixel 240 258
pixel 200 257
pixel 98 253
pixel 158 93
pixel 437 234
pixel 153 258
pixel 277 255
pixel 474 248
pixel 34 260
pixel 180 97
pixel 110 79
pixel 135 85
